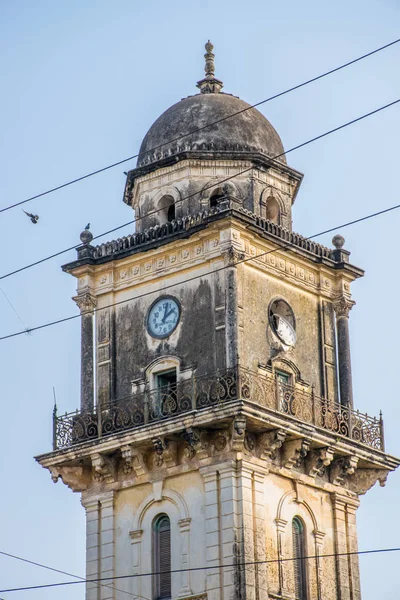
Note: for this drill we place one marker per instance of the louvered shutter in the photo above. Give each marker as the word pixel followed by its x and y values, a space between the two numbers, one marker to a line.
pixel 162 558
pixel 299 564
pixel 165 558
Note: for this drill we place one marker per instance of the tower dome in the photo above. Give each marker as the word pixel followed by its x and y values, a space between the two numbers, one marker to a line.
pixel 203 124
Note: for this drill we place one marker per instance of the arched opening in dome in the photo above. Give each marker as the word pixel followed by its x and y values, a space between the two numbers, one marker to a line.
pixel 216 197
pixel 166 209
pixel 272 211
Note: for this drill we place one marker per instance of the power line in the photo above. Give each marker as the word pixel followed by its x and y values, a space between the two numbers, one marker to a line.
pixel 212 185
pixel 36 564
pixel 166 287
pixel 284 247
pixel 278 95
pixel 204 568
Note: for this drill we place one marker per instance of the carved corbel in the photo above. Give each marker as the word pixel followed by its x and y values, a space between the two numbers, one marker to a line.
pixel 134 461
pixel 196 443
pixel 104 468
pixel 318 460
pixel 238 433
pixel 342 468
pixel 165 452
pixel 293 452
pixel 364 479
pixel 269 442
pixel 76 478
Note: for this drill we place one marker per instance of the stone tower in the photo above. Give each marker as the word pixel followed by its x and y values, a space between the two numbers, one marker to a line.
pixel 217 445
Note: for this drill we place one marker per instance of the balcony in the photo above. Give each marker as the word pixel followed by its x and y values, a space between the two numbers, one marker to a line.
pixel 201 393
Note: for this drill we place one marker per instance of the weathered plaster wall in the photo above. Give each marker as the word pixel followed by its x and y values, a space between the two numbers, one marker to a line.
pixel 198 341
pixel 258 344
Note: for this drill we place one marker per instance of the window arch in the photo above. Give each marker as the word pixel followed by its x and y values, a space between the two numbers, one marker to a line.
pixel 272 210
pixel 216 196
pixel 299 562
pixel 161 557
pixel 166 208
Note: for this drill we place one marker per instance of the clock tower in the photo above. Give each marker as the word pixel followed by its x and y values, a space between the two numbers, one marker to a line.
pixel 217 449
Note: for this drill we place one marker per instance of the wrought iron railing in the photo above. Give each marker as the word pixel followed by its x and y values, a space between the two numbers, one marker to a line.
pixel 198 393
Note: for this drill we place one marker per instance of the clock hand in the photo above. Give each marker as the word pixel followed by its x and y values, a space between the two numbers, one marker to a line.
pixel 165 314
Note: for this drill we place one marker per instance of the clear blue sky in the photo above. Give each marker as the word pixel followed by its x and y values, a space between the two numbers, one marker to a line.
pixel 81 82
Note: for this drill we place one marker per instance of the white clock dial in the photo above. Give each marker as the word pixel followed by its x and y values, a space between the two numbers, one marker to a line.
pixel 163 317
pixel 282 321
pixel 284 331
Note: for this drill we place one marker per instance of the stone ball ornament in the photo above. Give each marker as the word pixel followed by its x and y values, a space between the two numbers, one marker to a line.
pixel 338 241
pixel 86 236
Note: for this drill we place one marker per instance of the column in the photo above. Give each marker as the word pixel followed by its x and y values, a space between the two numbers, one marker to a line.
pixel 92 508
pixel 231 257
pixel 342 307
pixel 86 303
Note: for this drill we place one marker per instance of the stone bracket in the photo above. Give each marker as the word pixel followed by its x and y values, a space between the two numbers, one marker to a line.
pixel 134 461
pixel 238 433
pixel 294 451
pixel 342 468
pixel 104 468
pixel 76 478
pixel 318 460
pixel 364 479
pixel 165 452
pixel 269 442
pixel 196 443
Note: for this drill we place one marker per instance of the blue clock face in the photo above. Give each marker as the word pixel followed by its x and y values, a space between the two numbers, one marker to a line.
pixel 163 317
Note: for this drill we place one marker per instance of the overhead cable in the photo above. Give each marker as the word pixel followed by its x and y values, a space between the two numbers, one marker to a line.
pixel 278 95
pixel 204 568
pixel 212 185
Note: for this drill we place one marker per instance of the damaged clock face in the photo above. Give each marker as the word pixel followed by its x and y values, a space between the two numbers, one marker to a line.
pixel 282 321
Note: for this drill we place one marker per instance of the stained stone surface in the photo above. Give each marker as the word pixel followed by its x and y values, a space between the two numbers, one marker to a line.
pixel 247 131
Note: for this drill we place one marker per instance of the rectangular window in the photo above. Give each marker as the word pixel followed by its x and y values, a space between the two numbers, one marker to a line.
pixel 166 380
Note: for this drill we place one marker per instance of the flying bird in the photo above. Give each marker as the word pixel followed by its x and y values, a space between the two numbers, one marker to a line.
pixel 87 226
pixel 33 218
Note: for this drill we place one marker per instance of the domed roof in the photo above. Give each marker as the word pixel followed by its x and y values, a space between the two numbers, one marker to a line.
pixel 177 129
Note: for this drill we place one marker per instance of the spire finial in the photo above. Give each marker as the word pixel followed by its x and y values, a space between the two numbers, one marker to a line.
pixel 209 85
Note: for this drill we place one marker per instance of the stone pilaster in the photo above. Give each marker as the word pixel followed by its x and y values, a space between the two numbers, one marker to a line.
pixel 341 548
pixel 342 309
pixel 87 303
pixel 260 529
pixel 107 533
pixel 231 542
pixel 184 527
pixel 352 544
pixel 212 520
pixel 92 508
pixel 136 540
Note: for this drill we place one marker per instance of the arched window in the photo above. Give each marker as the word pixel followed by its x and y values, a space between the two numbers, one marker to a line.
pixel 299 562
pixel 166 209
pixel 162 558
pixel 216 196
pixel 272 210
